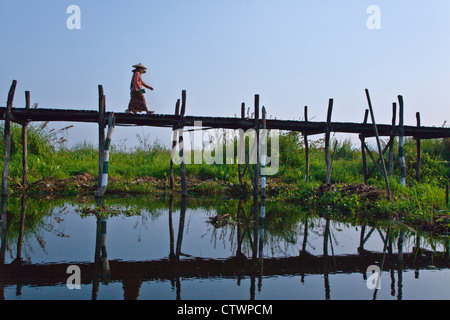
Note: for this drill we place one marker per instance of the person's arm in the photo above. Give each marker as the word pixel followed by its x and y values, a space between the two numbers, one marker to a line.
pixel 146 85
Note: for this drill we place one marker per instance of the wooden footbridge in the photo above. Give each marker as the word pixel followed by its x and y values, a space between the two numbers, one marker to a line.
pixel 179 120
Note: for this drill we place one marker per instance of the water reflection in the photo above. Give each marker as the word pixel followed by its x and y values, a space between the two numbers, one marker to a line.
pixel 253 257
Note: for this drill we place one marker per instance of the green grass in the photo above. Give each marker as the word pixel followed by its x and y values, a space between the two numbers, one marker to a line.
pixel 418 202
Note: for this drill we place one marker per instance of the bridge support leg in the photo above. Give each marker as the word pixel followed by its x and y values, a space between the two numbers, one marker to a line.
pixel 105 167
pixel 25 144
pixel 401 154
pixel 305 137
pixel 101 133
pixel 418 150
pixel 5 174
pixel 174 145
pixel 181 144
pixel 327 142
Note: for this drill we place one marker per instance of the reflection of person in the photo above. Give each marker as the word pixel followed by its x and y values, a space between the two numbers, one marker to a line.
pixel 137 101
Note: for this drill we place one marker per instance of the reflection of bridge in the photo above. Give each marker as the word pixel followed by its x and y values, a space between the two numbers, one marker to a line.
pixel 176 267
pixel 170 269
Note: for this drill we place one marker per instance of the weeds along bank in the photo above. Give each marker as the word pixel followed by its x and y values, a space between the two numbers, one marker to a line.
pixel 145 168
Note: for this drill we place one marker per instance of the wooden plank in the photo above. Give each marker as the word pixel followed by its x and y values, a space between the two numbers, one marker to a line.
pixel 164 120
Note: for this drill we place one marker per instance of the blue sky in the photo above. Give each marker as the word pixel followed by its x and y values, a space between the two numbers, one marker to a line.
pixel 292 53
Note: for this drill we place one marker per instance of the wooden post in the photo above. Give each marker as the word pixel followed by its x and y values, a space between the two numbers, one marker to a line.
pixel 383 165
pixel 256 174
pixel 305 137
pixel 401 154
pixel 25 144
pixel 174 145
pixel 241 149
pixel 327 141
pixel 5 174
pixel 101 133
pixel 418 150
pixel 392 139
pixel 181 144
pixel 363 149
pixel 263 159
pixel 111 123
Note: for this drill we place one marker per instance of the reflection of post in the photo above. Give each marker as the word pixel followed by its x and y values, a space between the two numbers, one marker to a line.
pixel 325 255
pixel 171 233
pixel 105 262
pixel 305 242
pixel 3 246
pixel 21 230
pixel 181 227
pixel 255 248
pixel 20 242
pixel 400 264
pixel 305 237
pixel 101 262
pixel 179 242
pixel 361 239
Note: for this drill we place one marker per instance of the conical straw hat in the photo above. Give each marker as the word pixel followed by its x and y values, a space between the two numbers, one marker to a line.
pixel 139 66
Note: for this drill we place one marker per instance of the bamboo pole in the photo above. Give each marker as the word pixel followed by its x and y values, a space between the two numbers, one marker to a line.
pixel 5 174
pixel 392 139
pixel 401 154
pixel 111 124
pixel 25 144
pixel 305 137
pixel 383 165
pixel 363 149
pixel 174 145
pixel 241 149
pixel 327 141
pixel 418 150
pixel 256 171
pixel 101 133
pixel 263 160
pixel 181 144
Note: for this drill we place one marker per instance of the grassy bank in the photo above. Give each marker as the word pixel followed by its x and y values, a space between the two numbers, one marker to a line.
pixel 56 170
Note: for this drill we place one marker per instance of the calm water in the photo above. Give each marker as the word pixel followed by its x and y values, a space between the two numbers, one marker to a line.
pixel 164 250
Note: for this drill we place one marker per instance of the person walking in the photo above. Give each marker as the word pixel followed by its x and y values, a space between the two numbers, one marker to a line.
pixel 137 100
